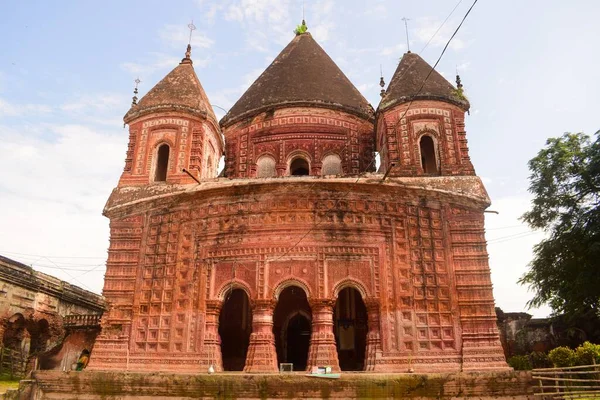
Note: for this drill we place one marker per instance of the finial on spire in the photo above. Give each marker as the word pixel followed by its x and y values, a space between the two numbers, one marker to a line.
pixel 135 92
pixel 406 27
pixel 302 28
pixel 188 53
pixel 459 85
pixel 381 81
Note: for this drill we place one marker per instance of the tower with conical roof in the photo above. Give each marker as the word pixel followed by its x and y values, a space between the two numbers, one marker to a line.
pixel 421 137
pixel 171 129
pixel 420 123
pixel 302 116
pixel 174 141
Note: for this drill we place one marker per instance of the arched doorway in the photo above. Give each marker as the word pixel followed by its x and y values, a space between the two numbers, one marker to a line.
pixel 14 332
pixel 350 328
pixel 299 167
pixel 40 334
pixel 297 337
pixel 235 327
pixel 292 327
pixel 428 158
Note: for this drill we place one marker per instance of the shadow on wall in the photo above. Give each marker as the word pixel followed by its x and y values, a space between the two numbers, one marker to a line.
pixel 65 356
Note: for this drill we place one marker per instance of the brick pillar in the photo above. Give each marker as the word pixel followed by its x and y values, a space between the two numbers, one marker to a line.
pixel 322 351
pixel 262 356
pixel 212 342
pixel 373 350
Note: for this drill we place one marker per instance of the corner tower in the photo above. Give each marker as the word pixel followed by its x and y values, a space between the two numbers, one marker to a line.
pixel 420 123
pixel 422 140
pixel 172 128
pixel 302 116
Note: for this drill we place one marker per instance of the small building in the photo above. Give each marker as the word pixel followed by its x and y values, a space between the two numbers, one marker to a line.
pixel 45 323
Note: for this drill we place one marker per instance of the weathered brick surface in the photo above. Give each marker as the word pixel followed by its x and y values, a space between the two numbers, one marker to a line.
pixel 49 385
pixel 412 244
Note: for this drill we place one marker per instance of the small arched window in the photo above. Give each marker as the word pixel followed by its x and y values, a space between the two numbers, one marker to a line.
pixel 299 167
pixel 428 158
pixel 162 162
pixel 332 165
pixel 265 167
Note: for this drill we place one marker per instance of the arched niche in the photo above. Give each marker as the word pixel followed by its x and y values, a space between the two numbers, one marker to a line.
pixel 265 167
pixel 331 165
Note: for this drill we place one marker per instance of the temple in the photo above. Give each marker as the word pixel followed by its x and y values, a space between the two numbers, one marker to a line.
pixel 300 251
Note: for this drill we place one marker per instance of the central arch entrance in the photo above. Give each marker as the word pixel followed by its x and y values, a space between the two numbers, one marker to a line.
pixel 292 327
pixel 350 328
pixel 235 326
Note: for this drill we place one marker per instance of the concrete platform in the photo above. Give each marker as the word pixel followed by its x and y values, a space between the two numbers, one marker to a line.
pixel 50 385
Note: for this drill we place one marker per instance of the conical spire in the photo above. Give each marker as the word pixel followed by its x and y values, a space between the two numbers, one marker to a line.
pixel 301 75
pixel 180 90
pixel 408 79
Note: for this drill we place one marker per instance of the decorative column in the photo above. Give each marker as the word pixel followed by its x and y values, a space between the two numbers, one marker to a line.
pixel 211 353
pixel 262 356
pixel 322 351
pixel 373 351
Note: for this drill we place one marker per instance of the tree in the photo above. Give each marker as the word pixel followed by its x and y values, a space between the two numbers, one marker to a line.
pixel 565 182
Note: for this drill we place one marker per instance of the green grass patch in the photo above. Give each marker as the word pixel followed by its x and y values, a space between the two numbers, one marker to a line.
pixel 5 385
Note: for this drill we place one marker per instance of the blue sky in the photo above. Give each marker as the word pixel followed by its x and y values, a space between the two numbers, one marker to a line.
pixel 530 70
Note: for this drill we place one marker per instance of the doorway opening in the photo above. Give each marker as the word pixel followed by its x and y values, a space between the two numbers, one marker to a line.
pixel 428 158
pixel 350 328
pixel 162 162
pixel 292 327
pixel 235 327
pixel 14 333
pixel 299 167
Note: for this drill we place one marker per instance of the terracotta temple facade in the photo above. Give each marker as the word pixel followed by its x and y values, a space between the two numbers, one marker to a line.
pixel 299 252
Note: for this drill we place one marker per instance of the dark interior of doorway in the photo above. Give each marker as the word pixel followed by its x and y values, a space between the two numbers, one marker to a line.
pixel 350 316
pixel 235 326
pixel 292 327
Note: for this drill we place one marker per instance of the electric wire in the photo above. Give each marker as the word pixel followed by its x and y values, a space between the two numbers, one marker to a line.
pixel 289 250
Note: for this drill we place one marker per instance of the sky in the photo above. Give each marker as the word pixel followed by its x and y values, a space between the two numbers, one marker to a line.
pixel 67 71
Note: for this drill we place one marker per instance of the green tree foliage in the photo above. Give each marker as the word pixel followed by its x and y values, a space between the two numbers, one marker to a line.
pixel 562 357
pixel 588 353
pixel 519 363
pixel 565 182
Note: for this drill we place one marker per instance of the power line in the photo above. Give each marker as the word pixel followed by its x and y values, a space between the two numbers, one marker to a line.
pixel 289 250
pixel 45 255
pixel 441 26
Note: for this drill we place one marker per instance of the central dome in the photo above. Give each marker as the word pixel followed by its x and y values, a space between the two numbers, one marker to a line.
pixel 301 75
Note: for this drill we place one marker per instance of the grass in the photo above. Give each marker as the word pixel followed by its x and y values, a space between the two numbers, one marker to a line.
pixel 5 385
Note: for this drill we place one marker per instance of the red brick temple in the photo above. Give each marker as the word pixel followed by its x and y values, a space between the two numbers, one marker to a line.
pixel 299 252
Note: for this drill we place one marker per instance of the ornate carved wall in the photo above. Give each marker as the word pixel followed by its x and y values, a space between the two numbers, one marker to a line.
pixel 311 132
pixel 194 143
pixel 399 130
pixel 415 253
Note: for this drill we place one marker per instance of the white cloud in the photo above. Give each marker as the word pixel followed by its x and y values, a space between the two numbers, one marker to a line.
pixel 395 51
pixel 510 244
pixel 177 36
pixel 155 62
pixel 61 176
pixel 427 27
pixel 16 110
pixel 97 102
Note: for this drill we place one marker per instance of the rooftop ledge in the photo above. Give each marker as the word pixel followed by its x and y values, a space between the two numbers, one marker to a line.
pixel 466 188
